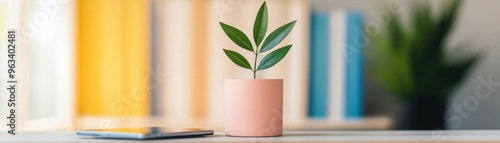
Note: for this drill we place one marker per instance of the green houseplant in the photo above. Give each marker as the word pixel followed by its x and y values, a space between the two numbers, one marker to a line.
pixel 414 65
pixel 254 107
pixel 259 32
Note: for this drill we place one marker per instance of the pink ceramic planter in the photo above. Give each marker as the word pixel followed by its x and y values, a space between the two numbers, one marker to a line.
pixel 254 107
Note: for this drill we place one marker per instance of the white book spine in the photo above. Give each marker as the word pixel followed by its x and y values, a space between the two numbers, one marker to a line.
pixel 295 111
pixel 47 55
pixel 175 58
pixel 221 67
pixel 337 65
pixel 65 64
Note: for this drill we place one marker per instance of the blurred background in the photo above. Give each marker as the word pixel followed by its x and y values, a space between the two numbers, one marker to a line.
pixel 355 65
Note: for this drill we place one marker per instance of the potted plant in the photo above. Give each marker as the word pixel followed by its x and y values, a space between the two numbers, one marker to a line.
pixel 254 107
pixel 414 65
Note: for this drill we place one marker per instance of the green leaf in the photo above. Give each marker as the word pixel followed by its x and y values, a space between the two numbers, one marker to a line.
pixel 260 25
pixel 274 57
pixel 237 36
pixel 238 59
pixel 277 36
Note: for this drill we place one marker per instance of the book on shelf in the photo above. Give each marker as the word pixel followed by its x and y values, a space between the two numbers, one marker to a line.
pixel 174 46
pixel 319 63
pixel 296 82
pixel 354 66
pixel 112 60
pixel 337 65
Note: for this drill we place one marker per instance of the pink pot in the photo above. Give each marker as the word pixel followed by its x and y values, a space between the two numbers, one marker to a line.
pixel 254 107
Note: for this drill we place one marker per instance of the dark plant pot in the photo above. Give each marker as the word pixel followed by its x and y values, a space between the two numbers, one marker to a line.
pixel 423 114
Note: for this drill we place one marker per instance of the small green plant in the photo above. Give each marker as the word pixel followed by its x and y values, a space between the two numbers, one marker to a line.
pixel 259 32
pixel 413 58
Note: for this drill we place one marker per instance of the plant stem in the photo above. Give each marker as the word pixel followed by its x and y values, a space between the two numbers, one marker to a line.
pixel 255 66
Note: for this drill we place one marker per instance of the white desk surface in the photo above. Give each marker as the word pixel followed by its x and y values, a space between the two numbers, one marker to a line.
pixel 289 136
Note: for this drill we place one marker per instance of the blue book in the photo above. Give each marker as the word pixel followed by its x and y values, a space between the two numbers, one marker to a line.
pixel 354 66
pixel 318 90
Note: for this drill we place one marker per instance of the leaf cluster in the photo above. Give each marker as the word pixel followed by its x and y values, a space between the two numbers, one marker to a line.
pixel 259 37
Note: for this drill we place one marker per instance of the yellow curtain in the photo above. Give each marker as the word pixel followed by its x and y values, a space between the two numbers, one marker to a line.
pixel 112 58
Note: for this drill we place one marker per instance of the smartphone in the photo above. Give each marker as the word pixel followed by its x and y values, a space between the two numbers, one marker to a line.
pixel 141 133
